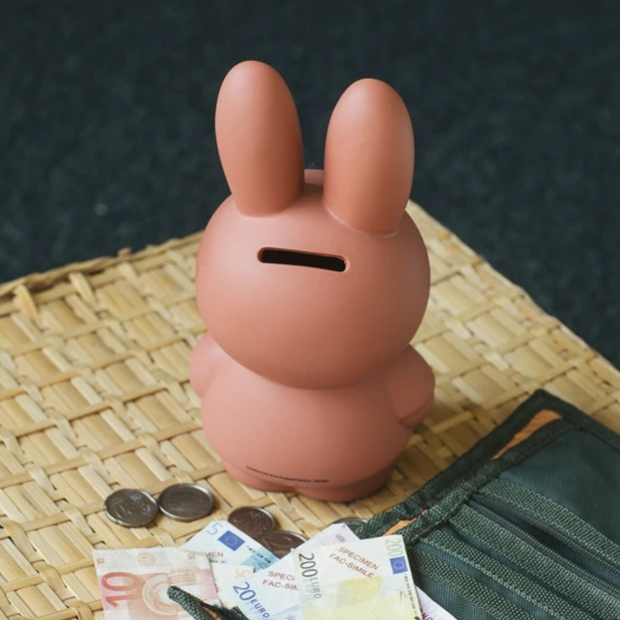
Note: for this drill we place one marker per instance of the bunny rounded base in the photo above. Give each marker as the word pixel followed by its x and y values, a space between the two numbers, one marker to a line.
pixel 335 444
pixel 348 492
pixel 357 490
pixel 351 492
pixel 415 418
pixel 252 481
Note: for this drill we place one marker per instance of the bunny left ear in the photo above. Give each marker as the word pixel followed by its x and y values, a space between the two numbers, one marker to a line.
pixel 369 157
pixel 259 139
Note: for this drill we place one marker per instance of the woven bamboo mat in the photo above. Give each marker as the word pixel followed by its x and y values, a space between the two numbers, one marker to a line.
pixel 94 395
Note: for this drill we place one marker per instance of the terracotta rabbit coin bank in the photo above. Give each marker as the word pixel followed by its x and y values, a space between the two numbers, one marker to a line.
pixel 311 285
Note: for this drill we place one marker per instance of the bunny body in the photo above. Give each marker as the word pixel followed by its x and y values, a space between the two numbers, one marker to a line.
pixel 333 444
pixel 312 288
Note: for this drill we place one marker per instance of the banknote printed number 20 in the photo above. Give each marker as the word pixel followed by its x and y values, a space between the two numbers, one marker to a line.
pixel 244 592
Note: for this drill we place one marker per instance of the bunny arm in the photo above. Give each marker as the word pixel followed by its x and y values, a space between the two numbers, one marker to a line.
pixel 411 384
pixel 202 363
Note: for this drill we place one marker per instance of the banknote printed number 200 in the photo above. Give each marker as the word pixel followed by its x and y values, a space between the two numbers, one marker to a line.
pixel 396 553
pixel 394 547
pixel 309 572
pixel 308 566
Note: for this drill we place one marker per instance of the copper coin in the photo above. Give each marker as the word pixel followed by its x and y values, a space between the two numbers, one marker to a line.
pixel 281 542
pixel 253 521
pixel 186 502
pixel 131 507
pixel 352 522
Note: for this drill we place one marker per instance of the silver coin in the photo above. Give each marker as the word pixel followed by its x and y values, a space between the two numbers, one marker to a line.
pixel 352 522
pixel 131 507
pixel 186 502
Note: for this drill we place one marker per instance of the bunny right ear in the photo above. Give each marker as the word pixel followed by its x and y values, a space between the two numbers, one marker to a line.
pixel 259 139
pixel 369 157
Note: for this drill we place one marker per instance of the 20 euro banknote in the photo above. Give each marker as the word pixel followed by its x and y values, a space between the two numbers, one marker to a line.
pixel 226 576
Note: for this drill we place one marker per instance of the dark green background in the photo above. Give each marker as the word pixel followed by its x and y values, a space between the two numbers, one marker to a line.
pixel 106 130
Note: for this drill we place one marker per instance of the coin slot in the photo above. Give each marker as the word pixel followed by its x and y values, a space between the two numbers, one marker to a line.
pixel 277 256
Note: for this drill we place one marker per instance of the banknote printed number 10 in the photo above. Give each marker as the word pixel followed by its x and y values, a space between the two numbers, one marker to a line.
pixel 126 583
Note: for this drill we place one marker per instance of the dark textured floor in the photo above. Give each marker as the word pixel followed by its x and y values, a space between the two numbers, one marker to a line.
pixel 106 125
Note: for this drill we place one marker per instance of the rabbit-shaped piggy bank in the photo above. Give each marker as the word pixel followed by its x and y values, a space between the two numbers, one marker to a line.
pixel 311 285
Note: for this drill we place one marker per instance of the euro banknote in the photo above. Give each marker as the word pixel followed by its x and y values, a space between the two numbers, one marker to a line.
pixel 272 593
pixel 225 543
pixel 226 576
pixel 359 580
pixel 430 609
pixel 134 582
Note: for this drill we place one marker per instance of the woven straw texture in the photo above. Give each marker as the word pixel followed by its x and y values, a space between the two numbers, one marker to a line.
pixel 94 395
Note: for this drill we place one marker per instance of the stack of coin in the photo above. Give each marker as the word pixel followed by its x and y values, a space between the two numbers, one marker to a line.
pixel 137 508
pixel 353 523
pixel 189 502
pixel 261 526
pixel 281 542
pixel 253 521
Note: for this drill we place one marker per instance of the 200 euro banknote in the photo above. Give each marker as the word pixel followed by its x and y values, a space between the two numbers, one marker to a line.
pixel 359 580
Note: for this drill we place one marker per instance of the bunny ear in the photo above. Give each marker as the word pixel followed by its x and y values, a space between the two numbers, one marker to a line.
pixel 369 157
pixel 259 139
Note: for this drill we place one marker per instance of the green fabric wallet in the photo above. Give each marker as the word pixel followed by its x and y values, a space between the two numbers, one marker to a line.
pixel 525 525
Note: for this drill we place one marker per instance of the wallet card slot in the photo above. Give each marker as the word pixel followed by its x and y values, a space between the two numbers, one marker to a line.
pixel 481 599
pixel 517 584
pixel 554 525
pixel 490 531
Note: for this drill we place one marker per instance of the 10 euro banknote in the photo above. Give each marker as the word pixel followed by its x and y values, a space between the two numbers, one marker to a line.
pixel 134 582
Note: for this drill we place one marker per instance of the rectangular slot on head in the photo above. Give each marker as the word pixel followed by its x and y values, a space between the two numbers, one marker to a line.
pixel 277 256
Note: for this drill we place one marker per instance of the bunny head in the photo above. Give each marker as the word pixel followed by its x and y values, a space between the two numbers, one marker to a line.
pixel 312 278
